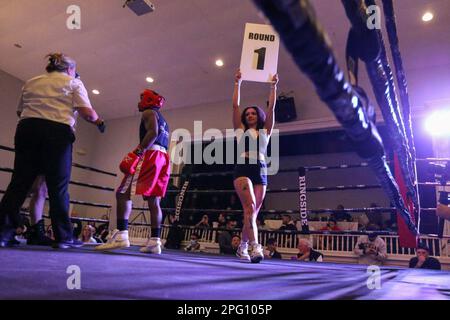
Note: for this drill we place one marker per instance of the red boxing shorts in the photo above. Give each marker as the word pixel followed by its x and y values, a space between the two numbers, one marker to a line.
pixel 151 177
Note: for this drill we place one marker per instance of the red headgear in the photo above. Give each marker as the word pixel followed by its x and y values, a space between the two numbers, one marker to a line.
pixel 150 99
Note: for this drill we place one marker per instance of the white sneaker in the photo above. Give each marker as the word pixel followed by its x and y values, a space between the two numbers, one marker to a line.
pixel 242 252
pixel 153 246
pixel 118 239
pixel 257 254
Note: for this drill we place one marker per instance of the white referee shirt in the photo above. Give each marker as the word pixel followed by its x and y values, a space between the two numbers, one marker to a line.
pixel 53 96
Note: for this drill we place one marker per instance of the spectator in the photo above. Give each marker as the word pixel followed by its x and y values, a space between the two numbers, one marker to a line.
pixel 204 223
pixel 288 224
pixel 287 240
pixel 375 218
pixel 235 242
pixel 222 220
pixel 423 259
pixel 175 235
pixel 194 245
pixel 371 250
pixel 331 226
pixel 363 221
pixel 260 223
pixel 306 252
pixel 271 250
pixel 340 215
pixel 225 238
pixel 87 235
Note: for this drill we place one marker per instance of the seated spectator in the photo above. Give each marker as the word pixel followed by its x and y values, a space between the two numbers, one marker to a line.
pixel 260 223
pixel 175 235
pixel 222 220
pixel 375 218
pixel 288 224
pixel 363 221
pixel 306 252
pixel 340 215
pixel 235 242
pixel 225 238
pixel 423 259
pixel 87 235
pixel 204 223
pixel 331 226
pixel 194 245
pixel 271 250
pixel 371 250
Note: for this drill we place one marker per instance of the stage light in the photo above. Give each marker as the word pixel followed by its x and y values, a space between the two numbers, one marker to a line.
pixel 428 16
pixel 219 63
pixel 95 91
pixel 438 123
pixel 150 80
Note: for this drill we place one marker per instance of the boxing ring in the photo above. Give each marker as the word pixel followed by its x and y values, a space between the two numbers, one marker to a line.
pixel 28 272
pixel 128 274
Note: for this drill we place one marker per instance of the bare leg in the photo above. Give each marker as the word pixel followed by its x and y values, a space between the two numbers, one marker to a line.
pixel 124 205
pixel 37 202
pixel 155 213
pixel 244 189
pixel 260 194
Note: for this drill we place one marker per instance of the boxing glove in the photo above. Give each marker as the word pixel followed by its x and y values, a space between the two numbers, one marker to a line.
pixel 131 160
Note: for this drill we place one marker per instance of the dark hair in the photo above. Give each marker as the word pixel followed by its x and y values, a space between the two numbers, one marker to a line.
pixel 195 235
pixel 59 62
pixel 423 246
pixel 271 241
pixel 260 114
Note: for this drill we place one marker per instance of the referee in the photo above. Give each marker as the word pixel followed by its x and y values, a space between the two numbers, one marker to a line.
pixel 48 109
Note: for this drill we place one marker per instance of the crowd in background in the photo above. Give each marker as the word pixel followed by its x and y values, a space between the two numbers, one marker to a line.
pixel 369 249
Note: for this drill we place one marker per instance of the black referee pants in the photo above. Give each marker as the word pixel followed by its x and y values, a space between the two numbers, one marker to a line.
pixel 43 147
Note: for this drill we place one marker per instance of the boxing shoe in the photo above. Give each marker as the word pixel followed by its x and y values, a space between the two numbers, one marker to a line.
pixel 153 246
pixel 257 254
pixel 242 251
pixel 36 235
pixel 118 239
pixel 67 244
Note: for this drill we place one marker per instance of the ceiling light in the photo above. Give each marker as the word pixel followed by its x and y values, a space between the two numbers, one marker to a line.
pixel 219 63
pixel 428 16
pixel 150 80
pixel 95 91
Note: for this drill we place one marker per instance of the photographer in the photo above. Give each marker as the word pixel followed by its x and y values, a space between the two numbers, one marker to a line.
pixel 371 250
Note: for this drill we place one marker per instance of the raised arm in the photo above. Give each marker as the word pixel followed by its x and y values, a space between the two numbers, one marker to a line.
pixel 270 120
pixel 237 124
